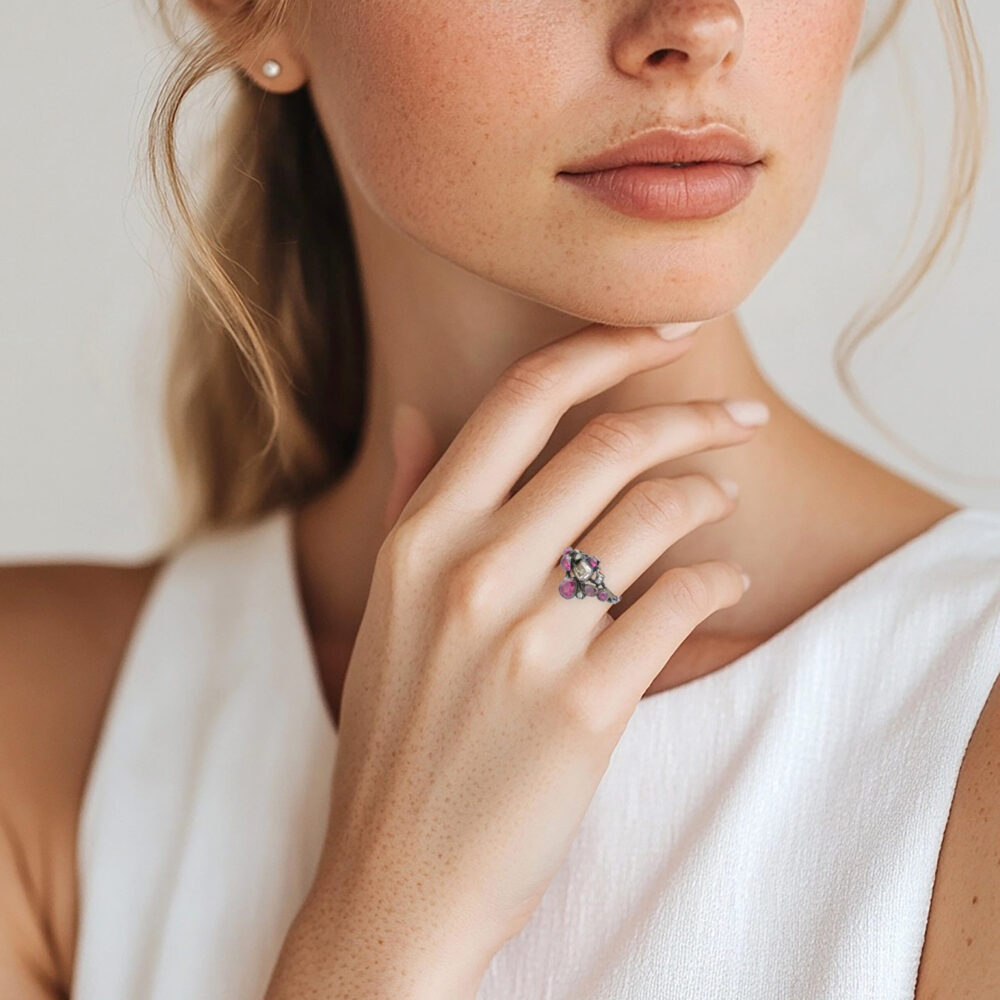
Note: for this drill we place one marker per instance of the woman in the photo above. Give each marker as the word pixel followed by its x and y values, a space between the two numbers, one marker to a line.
pixel 452 686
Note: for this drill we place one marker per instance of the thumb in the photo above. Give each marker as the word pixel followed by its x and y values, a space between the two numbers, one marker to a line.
pixel 414 455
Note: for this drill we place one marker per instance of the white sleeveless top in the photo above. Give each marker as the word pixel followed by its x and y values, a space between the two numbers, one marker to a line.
pixel 769 831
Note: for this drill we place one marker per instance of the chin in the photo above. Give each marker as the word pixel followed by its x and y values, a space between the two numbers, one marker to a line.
pixel 649 273
pixel 637 296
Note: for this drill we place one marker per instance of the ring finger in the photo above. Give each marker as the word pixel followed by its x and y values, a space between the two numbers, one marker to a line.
pixel 651 516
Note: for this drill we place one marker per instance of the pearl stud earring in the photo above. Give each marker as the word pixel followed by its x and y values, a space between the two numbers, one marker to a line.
pixel 271 68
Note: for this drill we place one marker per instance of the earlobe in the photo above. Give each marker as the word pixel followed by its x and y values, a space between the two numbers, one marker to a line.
pixel 274 67
pixel 272 64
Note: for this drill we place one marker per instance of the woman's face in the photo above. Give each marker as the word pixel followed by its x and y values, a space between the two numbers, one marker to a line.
pixel 454 118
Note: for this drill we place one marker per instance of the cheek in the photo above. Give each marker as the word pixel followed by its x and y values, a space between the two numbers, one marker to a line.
pixel 426 101
pixel 804 51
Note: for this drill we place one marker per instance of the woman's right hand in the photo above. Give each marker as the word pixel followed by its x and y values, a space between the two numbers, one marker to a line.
pixel 480 708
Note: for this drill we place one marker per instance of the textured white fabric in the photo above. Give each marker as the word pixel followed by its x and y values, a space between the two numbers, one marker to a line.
pixel 768 831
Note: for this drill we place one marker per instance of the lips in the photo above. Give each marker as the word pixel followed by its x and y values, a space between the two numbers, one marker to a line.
pixel 715 144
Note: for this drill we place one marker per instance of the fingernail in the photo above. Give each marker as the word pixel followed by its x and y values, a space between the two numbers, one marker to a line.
pixel 674 331
pixel 731 488
pixel 748 412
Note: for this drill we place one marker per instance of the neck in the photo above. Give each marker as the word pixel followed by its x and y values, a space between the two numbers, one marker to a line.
pixel 439 338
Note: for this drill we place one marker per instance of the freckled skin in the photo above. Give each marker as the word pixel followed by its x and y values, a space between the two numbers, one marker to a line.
pixel 452 117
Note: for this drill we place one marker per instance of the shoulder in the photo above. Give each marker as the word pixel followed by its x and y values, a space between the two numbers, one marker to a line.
pixel 63 633
pixel 962 948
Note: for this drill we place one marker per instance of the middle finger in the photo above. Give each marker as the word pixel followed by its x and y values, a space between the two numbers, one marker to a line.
pixel 570 491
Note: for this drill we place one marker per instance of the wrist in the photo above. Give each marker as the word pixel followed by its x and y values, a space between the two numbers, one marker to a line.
pixel 348 946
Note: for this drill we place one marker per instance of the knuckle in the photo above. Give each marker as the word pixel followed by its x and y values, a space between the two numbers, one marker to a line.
pixel 531 378
pixel 612 437
pixel 689 591
pixel 526 647
pixel 404 549
pixel 659 504
pixel 468 589
pixel 472 587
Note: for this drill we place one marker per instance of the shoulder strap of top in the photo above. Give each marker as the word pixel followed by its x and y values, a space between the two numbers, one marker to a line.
pixel 214 764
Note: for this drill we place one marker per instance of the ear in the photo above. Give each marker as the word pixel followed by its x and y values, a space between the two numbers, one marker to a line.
pixel 273 63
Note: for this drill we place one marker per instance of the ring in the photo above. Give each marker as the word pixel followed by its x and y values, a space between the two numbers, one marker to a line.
pixel 583 578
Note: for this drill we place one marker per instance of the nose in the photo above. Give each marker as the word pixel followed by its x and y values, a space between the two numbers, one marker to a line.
pixel 679 37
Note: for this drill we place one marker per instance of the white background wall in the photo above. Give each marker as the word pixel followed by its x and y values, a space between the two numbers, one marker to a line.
pixel 85 278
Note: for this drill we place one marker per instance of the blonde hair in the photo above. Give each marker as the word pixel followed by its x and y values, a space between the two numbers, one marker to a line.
pixel 264 395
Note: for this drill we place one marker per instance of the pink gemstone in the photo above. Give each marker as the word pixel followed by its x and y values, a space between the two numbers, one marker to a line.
pixel 602 595
pixel 589 589
pixel 592 560
pixel 565 562
pixel 567 588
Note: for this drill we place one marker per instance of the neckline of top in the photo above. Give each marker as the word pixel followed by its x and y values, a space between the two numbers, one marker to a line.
pixel 734 668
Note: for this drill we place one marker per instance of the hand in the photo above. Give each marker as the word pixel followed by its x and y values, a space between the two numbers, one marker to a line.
pixel 480 709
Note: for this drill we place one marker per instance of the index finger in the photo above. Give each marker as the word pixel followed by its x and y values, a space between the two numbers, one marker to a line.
pixel 507 430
